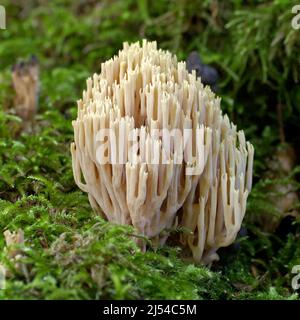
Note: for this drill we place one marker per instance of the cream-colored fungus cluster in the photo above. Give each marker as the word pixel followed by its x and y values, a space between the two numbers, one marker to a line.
pixel 201 182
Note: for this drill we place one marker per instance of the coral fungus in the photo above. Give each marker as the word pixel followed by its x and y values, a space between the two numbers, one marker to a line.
pixel 154 151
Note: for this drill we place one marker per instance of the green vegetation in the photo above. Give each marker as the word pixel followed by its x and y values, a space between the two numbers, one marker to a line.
pixel 69 253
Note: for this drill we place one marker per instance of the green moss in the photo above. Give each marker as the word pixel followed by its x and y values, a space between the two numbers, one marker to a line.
pixel 69 258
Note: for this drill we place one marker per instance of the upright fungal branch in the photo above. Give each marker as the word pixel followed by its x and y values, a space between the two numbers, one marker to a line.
pixel 216 205
pixel 152 149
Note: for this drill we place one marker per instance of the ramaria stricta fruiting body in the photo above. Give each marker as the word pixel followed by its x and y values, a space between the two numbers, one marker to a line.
pixel 153 150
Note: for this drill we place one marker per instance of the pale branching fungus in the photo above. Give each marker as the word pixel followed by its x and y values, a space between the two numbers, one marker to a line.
pixel 153 150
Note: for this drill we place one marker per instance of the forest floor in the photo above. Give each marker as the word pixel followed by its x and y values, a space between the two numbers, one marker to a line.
pixel 70 253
